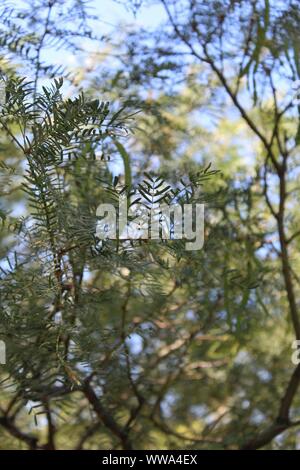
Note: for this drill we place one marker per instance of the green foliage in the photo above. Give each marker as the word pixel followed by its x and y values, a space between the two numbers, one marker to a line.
pixel 140 343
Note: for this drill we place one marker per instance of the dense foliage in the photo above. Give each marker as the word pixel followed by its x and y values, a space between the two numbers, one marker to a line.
pixel 142 344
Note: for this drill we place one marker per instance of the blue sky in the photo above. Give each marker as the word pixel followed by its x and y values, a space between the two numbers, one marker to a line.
pixel 114 13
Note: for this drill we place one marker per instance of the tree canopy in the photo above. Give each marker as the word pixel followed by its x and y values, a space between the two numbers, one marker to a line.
pixel 142 344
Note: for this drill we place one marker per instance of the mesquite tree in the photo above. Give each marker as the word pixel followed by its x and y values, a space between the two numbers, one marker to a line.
pixel 131 344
